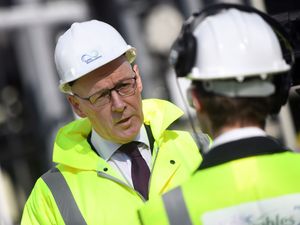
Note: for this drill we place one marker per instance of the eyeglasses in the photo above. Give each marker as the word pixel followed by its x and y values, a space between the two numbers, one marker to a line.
pixel 125 87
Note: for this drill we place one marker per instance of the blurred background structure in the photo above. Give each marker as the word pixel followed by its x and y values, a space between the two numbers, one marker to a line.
pixel 31 107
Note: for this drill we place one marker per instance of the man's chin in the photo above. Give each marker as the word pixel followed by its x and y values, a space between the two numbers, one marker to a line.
pixel 126 137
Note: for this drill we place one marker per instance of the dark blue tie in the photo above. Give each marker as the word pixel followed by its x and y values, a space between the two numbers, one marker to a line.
pixel 140 172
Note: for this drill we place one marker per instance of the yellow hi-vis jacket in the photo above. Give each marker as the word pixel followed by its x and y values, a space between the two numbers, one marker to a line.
pixel 100 193
pixel 254 181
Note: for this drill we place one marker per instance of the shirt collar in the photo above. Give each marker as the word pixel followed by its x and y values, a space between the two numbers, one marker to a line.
pixel 107 148
pixel 237 134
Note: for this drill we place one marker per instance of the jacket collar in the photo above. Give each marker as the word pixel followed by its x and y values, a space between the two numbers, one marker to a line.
pixel 160 114
pixel 72 148
pixel 242 148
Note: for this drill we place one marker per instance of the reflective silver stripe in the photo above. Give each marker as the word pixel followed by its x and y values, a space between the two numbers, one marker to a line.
pixel 63 197
pixel 176 208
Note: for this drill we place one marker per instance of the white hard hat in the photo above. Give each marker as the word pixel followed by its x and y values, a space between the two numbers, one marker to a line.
pixel 236 44
pixel 87 46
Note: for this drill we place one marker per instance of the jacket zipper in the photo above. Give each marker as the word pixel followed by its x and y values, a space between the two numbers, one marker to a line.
pixel 152 171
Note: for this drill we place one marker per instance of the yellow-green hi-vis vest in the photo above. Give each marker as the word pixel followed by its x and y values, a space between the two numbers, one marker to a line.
pixel 248 182
pixel 94 193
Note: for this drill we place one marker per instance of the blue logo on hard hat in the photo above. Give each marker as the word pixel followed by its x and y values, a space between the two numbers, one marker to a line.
pixel 90 57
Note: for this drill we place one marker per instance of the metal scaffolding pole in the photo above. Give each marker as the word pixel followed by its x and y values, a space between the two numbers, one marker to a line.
pixel 5 210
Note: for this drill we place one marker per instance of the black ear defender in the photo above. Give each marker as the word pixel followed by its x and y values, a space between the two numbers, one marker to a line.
pixel 183 52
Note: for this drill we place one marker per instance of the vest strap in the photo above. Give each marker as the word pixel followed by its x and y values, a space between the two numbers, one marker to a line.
pixel 63 197
pixel 176 208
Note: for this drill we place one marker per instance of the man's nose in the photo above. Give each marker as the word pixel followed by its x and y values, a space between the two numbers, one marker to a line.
pixel 117 102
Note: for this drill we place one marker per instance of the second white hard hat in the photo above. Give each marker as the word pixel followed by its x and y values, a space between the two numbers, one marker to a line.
pixel 235 44
pixel 87 46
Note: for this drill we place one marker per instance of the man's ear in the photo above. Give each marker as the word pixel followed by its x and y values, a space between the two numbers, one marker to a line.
pixel 76 106
pixel 136 70
pixel 196 101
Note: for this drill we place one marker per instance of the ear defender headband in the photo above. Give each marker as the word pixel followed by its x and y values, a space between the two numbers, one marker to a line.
pixel 183 52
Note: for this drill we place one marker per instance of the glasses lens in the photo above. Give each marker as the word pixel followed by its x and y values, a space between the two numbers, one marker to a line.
pixel 100 99
pixel 124 88
pixel 127 87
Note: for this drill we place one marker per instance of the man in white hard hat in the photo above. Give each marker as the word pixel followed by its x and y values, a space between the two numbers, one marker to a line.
pixel 245 177
pixel 105 160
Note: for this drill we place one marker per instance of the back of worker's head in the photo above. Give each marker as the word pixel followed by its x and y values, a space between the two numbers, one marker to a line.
pixel 85 47
pixel 236 53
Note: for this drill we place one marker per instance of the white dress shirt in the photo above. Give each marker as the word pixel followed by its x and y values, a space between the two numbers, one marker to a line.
pixel 117 159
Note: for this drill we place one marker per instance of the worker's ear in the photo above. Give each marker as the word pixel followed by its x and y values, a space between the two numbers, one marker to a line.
pixel 196 100
pixel 76 105
pixel 139 84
